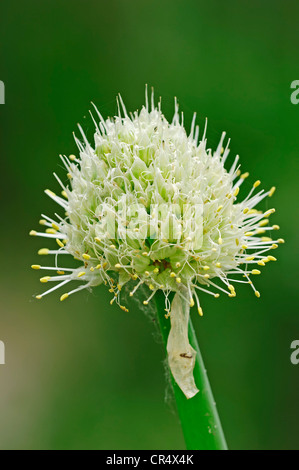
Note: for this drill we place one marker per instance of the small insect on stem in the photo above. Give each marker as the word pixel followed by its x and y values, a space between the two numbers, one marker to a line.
pixel 186 355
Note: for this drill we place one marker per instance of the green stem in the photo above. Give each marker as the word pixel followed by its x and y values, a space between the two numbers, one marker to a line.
pixel 199 418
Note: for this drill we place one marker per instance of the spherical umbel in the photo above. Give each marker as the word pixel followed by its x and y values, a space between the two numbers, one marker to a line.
pixel 150 203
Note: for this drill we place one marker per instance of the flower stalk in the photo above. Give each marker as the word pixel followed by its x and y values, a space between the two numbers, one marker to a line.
pixel 198 415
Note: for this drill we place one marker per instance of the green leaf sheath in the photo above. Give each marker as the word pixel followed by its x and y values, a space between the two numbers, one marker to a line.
pixel 199 418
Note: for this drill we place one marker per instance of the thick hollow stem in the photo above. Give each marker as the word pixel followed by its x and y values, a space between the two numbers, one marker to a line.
pixel 198 415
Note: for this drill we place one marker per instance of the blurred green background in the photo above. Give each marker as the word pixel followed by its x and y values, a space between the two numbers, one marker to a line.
pixel 82 374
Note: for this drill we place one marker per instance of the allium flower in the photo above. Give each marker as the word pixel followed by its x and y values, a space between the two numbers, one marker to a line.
pixel 151 204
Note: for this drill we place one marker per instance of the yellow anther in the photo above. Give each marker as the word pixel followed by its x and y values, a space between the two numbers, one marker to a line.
pixel 63 297
pixel 244 247
pixel 156 270
pixel 236 192
pixel 59 242
pixel 131 294
pixel 134 277
pixel 35 266
pixel 252 211
pixel 200 311
pixel 43 251
pixel 274 246
pixel 248 234
pixel 117 266
pixel 86 256
pixel 55 226
pixel 98 266
pixel 60 272
pixel 113 247
pixel 206 268
pixel 249 258
pixel 49 192
pixel 245 175
pixel 216 296
pixel 238 172
pixel 52 231
pixel 38 297
pixel 281 240
pixel 237 241
pixel 178 280
pixel 145 253
pixel 232 294
pixel 64 194
pixel 271 258
pixel 266 239
pixel 191 302
pixel 231 288
pixel 145 302
pixel 275 227
pixel 257 293
pixel 269 212
pixel 42 222
pixel 261 263
pixel 219 208
pixel 263 223
pixel 218 265
pixel 118 286
pixel 125 309
pixel 178 264
pixel 256 184
pixel 172 274
pixel 72 157
pixel 220 241
pixel 32 233
pixel 255 271
pixel 97 239
pixel 147 273
pixel 69 176
pixel 91 269
pixel 245 210
pixel 260 231
pixel 104 265
pixel 272 191
pixel 81 273
pixel 151 287
pixel 45 279
pixel 206 276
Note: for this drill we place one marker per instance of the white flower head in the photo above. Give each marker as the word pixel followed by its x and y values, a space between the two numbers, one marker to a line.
pixel 151 204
